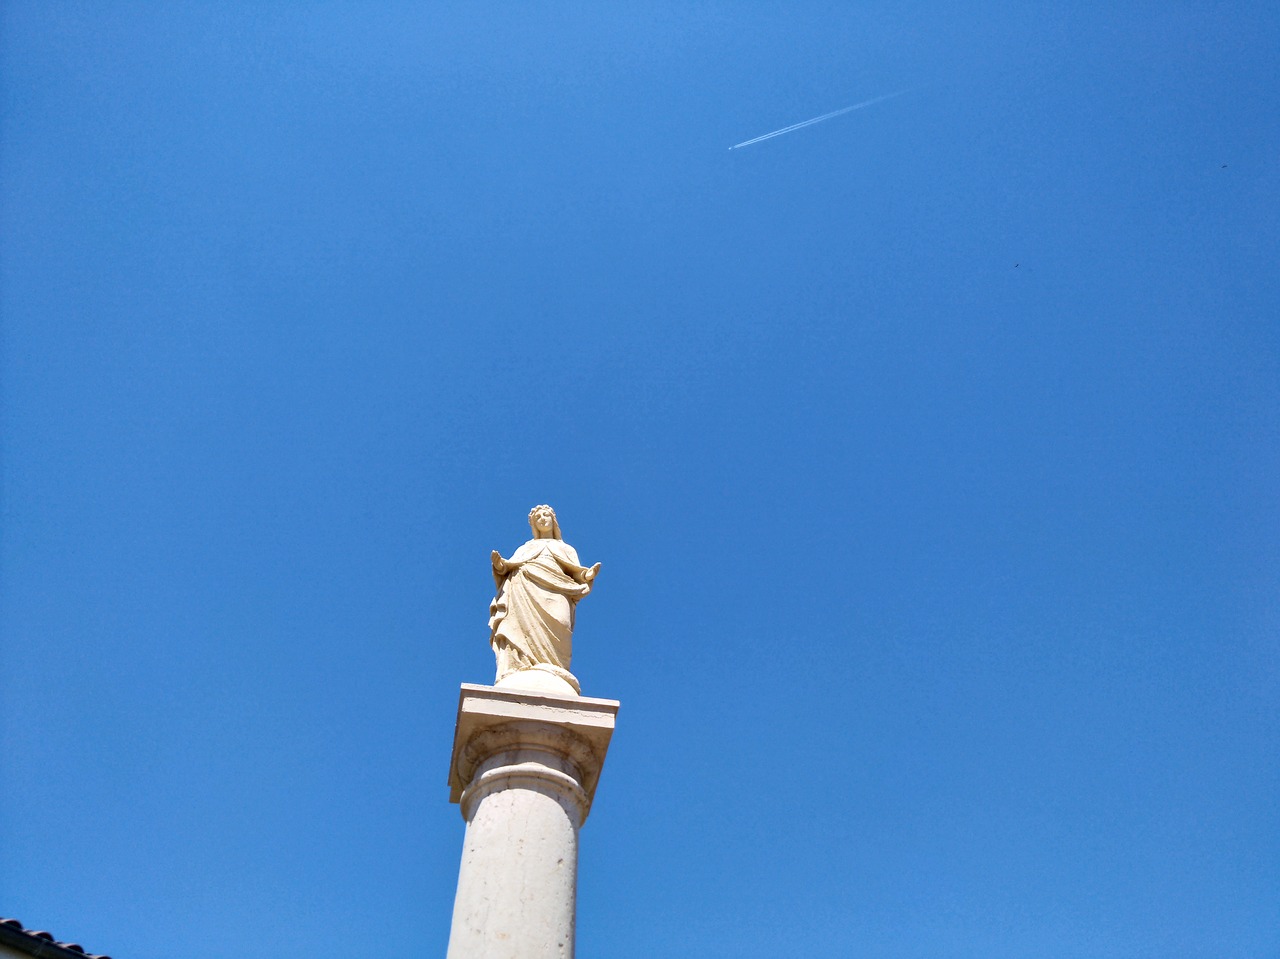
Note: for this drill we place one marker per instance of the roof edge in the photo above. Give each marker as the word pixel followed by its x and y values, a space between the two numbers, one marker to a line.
pixel 41 945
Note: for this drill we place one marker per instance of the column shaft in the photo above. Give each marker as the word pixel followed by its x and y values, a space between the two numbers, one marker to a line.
pixel 524 771
pixel 517 888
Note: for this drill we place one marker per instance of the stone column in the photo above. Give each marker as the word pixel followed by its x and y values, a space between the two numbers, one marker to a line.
pixel 524 770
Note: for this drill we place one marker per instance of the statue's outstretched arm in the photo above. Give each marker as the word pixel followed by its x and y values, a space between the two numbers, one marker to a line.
pixel 575 570
pixel 501 567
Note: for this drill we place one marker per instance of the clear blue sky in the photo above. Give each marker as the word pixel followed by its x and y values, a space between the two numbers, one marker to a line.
pixel 931 453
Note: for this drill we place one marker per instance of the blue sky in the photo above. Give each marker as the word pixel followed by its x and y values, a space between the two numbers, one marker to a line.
pixel 931 453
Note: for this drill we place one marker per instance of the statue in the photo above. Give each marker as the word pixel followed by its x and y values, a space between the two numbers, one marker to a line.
pixel 531 617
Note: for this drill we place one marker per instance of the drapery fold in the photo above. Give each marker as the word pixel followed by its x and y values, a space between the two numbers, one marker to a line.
pixel 533 610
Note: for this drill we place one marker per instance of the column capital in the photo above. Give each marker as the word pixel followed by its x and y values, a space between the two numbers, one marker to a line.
pixel 492 720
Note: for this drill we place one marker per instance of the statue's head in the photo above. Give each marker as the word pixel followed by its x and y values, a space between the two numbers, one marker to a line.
pixel 542 520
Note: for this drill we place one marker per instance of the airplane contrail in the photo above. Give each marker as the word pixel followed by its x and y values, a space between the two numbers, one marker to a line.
pixel 825 116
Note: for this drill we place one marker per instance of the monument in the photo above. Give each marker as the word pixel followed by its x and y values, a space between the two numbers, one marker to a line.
pixel 527 754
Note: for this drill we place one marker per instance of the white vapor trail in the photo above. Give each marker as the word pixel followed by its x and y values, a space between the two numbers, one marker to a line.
pixel 825 116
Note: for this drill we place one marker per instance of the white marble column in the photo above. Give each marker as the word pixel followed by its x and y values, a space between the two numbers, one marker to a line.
pixel 524 770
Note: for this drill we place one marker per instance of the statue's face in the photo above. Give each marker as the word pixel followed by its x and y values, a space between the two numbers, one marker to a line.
pixel 543 521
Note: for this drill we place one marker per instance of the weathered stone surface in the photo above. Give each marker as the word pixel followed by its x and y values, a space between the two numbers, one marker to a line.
pixel 532 615
pixel 524 771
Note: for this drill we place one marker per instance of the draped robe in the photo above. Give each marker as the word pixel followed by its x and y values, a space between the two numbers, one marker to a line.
pixel 532 614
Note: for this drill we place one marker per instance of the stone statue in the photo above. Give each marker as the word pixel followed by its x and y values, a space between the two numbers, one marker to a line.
pixel 531 617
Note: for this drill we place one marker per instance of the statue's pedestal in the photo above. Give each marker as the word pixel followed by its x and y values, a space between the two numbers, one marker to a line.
pixel 524 770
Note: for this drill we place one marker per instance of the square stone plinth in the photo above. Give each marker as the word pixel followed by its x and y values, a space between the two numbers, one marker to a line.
pixel 484 707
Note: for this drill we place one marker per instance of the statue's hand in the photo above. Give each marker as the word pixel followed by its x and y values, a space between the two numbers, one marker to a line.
pixel 590 574
pixel 499 564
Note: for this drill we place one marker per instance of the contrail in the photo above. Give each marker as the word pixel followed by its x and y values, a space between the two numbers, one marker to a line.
pixel 825 116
